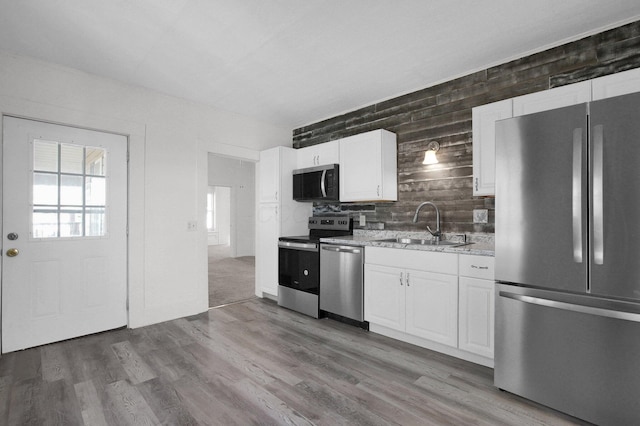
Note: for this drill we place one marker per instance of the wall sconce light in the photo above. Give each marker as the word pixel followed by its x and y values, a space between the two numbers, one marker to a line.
pixel 430 153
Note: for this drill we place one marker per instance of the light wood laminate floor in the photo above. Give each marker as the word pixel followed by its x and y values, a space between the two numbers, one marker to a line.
pixel 252 363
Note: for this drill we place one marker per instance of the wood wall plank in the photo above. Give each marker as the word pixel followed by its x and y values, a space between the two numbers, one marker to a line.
pixel 443 113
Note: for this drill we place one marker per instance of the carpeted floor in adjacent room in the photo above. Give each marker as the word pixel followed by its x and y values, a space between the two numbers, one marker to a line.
pixel 230 279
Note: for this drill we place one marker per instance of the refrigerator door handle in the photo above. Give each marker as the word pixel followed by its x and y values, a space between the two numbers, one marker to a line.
pixel 590 310
pixel 598 194
pixel 577 195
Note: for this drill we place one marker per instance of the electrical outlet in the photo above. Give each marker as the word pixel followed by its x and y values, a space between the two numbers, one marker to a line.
pixel 480 216
pixel 192 225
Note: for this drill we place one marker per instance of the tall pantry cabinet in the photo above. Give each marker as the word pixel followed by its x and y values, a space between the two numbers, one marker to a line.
pixel 278 214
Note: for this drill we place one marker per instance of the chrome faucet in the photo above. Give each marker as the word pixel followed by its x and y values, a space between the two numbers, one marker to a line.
pixel 437 234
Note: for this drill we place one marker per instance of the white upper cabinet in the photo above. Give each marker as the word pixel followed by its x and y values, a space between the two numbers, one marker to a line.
pixel 368 167
pixel 484 144
pixel 269 175
pixel 485 116
pixel 618 84
pixel 319 155
pixel 571 94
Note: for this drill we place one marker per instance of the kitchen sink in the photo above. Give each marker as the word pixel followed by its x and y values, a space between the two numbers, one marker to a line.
pixel 421 242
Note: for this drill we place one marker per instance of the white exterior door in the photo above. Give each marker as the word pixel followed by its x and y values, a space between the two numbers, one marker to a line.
pixel 64 212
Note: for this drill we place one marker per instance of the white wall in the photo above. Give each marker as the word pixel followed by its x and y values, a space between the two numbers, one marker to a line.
pixel 169 139
pixel 240 176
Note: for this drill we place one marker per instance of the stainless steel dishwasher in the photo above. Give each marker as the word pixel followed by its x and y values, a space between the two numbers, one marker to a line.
pixel 341 282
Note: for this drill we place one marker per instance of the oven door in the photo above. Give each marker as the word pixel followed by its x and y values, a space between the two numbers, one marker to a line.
pixel 299 266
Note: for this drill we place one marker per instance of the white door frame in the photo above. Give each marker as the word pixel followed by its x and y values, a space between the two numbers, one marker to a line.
pixel 128 179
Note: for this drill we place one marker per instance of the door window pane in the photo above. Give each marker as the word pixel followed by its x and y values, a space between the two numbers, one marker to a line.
pixel 96 191
pixel 95 161
pixel 94 222
pixel 71 190
pixel 45 222
pixel 71 158
pixel 45 156
pixel 45 188
pixel 71 222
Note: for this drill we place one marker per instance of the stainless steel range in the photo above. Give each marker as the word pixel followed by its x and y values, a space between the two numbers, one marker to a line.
pixel 299 263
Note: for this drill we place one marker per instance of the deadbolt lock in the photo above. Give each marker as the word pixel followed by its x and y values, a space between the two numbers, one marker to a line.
pixel 12 236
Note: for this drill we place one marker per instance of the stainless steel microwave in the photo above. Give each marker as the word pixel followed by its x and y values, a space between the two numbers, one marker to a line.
pixel 320 183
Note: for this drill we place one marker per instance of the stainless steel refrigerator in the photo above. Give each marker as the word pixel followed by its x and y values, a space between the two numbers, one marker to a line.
pixel 568 259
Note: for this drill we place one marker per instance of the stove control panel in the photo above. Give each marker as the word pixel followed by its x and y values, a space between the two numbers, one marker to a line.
pixel 331 222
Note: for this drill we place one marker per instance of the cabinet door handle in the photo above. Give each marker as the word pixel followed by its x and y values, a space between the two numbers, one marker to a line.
pixel 476 184
pixel 479 267
pixel 400 278
pixel 408 279
pixel 378 190
pixel 276 195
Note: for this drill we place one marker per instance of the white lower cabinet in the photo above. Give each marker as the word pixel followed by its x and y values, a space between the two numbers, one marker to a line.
pixel 384 296
pixel 476 316
pixel 431 306
pixel 476 304
pixel 267 246
pixel 417 302
pixel 419 297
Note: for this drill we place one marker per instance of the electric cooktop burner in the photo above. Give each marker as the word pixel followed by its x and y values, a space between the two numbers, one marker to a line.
pixel 323 227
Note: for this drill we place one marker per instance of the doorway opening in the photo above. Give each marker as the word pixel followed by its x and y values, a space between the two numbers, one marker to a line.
pixel 231 230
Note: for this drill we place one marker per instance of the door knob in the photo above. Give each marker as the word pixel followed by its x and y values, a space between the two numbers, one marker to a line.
pixel 12 252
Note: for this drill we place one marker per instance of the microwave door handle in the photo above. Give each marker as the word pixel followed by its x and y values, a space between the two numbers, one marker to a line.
pixel 322 187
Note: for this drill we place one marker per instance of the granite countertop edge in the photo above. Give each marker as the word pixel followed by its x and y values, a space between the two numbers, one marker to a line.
pixel 478 248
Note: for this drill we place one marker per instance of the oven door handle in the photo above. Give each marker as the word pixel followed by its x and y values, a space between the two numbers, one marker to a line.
pixel 298 246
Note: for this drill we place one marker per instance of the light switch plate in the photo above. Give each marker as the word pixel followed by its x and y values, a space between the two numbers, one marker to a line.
pixel 480 216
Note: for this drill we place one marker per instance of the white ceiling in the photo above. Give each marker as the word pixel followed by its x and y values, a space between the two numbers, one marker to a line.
pixel 295 62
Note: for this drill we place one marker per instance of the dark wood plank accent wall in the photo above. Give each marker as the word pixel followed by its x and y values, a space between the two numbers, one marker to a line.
pixel 443 113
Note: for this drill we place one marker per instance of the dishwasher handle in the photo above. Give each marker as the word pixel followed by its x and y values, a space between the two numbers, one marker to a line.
pixel 341 249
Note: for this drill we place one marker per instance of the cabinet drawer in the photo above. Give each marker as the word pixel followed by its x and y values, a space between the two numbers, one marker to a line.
pixel 429 261
pixel 477 267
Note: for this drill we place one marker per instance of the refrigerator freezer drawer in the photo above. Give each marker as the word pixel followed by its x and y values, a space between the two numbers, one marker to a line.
pixel 576 354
